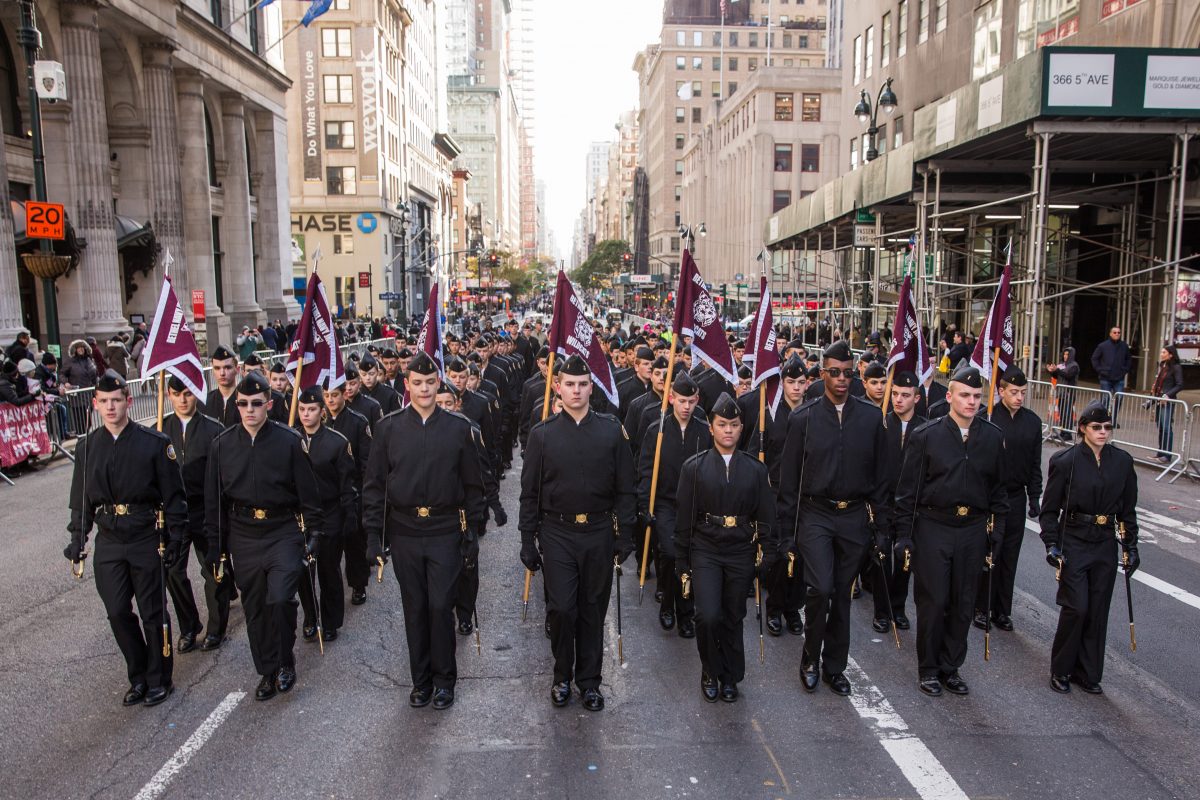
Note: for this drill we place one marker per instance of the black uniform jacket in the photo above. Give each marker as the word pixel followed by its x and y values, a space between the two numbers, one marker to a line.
pixel 192 445
pixel 707 485
pixel 333 466
pixel 677 446
pixel 1076 484
pixel 1022 448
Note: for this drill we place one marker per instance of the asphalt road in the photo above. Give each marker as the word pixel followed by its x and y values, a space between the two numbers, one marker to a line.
pixel 346 730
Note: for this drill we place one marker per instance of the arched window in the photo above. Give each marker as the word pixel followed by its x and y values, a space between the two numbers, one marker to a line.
pixel 10 111
pixel 211 146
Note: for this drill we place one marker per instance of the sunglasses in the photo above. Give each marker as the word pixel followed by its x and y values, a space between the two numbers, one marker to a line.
pixel 837 372
pixel 250 403
pixel 1100 426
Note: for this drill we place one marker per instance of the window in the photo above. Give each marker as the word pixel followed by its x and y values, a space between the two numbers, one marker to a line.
pixel 214 8
pixel 680 62
pixel 854 153
pixel 939 18
pixel 810 158
pixel 218 255
pixel 753 39
pixel 732 87
pixel 783 106
pixel 922 20
pixel 210 145
pixel 678 192
pixel 733 65
pixel 787 41
pixel 802 42
pixel 780 199
pixel 341 5
pixel 680 39
pixel 679 167
pixel 339 135
pixel 340 180
pixel 680 114
pixel 698 39
pixel 897 132
pixel 885 40
pixel 679 141
pixel 733 39
pixel 335 43
pixel 783 158
pixel 716 62
pixel 697 88
pixel 343 244
pixel 716 39
pixel 810 108
pixel 254 22
pixel 858 57
pixel 986 51
pixel 881 139
pixel 674 244
pixel 697 62
pixel 339 88
pixel 676 219
pixel 902 29
pixel 752 63
pixel 696 115
pixel 869 52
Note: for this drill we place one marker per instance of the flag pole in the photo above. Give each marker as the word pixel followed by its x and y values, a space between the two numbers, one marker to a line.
pixel 283 36
pixel 992 385
pixel 662 416
pixel 249 10
pixel 161 385
pixel 762 419
pixel 545 413
pixel 887 390
pixel 296 392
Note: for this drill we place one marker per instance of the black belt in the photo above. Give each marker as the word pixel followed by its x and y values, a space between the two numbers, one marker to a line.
pixel 125 509
pixel 590 518
pixel 1091 519
pixel 429 512
pixel 835 505
pixel 251 512
pixel 727 522
pixel 953 513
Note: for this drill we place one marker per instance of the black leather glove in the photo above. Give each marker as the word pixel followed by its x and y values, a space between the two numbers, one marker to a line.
pixel 1035 508
pixel 768 562
pixel 314 543
pixel 623 548
pixel 375 550
pixel 883 543
pixel 530 556
pixel 499 514
pixel 173 552
pixel 1131 561
pixel 212 560
pixel 903 546
pixel 470 550
pixel 682 567
pixel 74 551
pixel 1054 556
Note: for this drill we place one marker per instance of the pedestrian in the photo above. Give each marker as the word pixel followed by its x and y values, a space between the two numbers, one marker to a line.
pixel 1167 384
pixel 951 491
pixel 578 501
pixel 19 349
pixel 125 475
pixel 117 356
pixel 79 372
pixel 423 496
pixel 1112 360
pixel 269 337
pixel 1066 375
pixel 1090 507
pixel 726 525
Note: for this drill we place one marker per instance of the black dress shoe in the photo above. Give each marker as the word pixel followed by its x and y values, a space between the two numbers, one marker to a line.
pixel 774 624
pixel 266 688
pixel 286 678
pixel 881 624
pixel 593 700
pixel 1060 684
pixel 838 684
pixel 212 642
pixel 666 619
pixel 658 595
pixel 1002 621
pixel 443 699
pixel 810 676
pixel 795 625
pixel 309 632
pixel 420 696
pixel 729 692
pixel 358 597
pixel 954 684
pixel 187 642
pixel 980 620
pixel 687 629
pixel 708 688
pixel 902 622
pixel 930 686
pixel 560 694
pixel 158 694
pixel 329 634
pixel 1088 686
pixel 465 627
pixel 135 695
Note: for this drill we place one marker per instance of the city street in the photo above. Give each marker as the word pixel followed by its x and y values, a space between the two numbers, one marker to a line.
pixel 346 730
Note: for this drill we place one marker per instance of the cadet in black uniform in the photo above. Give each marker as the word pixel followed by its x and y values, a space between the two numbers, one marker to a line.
pixel 260 489
pixel 357 430
pixel 333 467
pixel 1022 431
pixel 636 384
pixel 901 421
pixel 424 491
pixel 124 473
pixel 683 438
pixel 281 382
pixel 578 501
pixel 952 488
pixel 191 435
pixel 220 403
pixel 831 481
pixel 279 404
pixel 375 387
pixel 533 391
pixel 644 409
pixel 726 512
pixel 476 407
pixel 1089 507
pixel 358 400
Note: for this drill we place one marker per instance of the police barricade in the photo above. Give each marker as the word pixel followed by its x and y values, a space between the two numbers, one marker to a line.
pixel 1153 429
pixel 1192 448
pixel 1067 403
pixel 1041 398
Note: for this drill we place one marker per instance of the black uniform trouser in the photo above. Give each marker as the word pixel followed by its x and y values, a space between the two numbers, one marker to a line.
pixel 216 595
pixel 785 595
pixel 1084 595
pixel 664 567
pixel 270 565
pixel 467 591
pixel 578 567
pixel 329 582
pixel 1004 559
pixel 720 580
pixel 639 538
pixel 427 569
pixel 831 545
pixel 947 560
pixel 354 545
pixel 128 568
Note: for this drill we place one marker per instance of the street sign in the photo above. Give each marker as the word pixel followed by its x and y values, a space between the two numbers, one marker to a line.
pixel 864 216
pixel 739 277
pixel 45 221
pixel 198 305
pixel 635 278
pixel 864 235
pixel 364 280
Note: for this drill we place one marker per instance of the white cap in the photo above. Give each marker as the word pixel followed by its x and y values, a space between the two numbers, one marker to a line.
pixel 25 366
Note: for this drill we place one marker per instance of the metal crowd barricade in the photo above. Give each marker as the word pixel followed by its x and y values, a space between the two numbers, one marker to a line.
pixel 1192 448
pixel 1149 427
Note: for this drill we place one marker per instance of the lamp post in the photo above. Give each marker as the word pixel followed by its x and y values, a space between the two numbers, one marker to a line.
pixel 402 214
pixel 868 114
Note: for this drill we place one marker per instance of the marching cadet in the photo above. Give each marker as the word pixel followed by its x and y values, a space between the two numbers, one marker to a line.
pixel 644 409
pixel 279 407
pixel 951 490
pixel 357 430
pixel 533 391
pixel 391 367
pixel 578 501
pixel 638 383
pixel 333 467
pixel 475 407
pixel 281 382
pixel 1022 431
pixel 681 441
pixel 375 387
pixel 125 474
pixel 263 509
pixel 1090 507
pixel 744 378
pixel 712 384
pixel 831 485
pixel 403 357
pixel 424 492
pixel 220 403
pixel 874 382
pixel 191 435
pixel 358 400
pixel 726 515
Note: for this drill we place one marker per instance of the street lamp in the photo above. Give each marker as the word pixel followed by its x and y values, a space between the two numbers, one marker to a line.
pixel 689 234
pixel 402 213
pixel 868 114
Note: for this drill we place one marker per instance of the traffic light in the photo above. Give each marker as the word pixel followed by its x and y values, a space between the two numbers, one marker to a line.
pixel 627 260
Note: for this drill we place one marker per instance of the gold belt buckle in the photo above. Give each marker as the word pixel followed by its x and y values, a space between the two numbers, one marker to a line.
pixel 581 519
pixel 423 511
pixel 260 513
pixel 842 504
pixel 731 522
pixel 120 509
pixel 962 511
pixel 1102 519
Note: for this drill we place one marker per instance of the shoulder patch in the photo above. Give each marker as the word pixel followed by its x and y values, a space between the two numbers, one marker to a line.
pixel 624 433
pixel 171 451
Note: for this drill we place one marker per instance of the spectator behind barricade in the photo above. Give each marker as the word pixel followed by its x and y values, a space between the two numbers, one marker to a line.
pixel 269 338
pixel 97 355
pixel 1067 374
pixel 1112 360
pixel 281 337
pixel 79 368
pixel 247 342
pixel 19 349
pixel 136 345
pixel 959 350
pixel 10 386
pixel 27 383
pixel 117 356
pixel 1167 384
pixel 46 374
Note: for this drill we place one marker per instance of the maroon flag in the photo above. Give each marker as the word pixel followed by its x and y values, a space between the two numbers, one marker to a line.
pixel 909 352
pixel 572 334
pixel 315 344
pixel 997 330
pixel 696 316
pixel 171 345
pixel 760 348
pixel 430 338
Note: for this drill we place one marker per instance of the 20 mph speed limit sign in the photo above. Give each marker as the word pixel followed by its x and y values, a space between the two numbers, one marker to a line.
pixel 44 221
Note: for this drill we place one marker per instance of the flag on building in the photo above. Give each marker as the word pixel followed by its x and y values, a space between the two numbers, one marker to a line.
pixel 571 333
pixel 909 351
pixel 171 345
pixel 696 316
pixel 997 330
pixel 316 344
pixel 760 348
pixel 315 9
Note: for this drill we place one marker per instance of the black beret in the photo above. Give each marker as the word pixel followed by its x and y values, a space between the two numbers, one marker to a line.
pixel 838 351
pixel 1014 376
pixel 109 381
pixel 222 353
pixel 313 395
pixel 351 372
pixel 422 364
pixel 456 364
pixel 446 388
pixel 866 356
pixel 875 370
pixel 354 357
pixel 278 367
pixel 373 349
pixel 474 358
pixel 684 386
pixel 1095 412
pixel 473 369
pixel 661 344
pixel 968 376
pixel 796 343
pixel 389 353
pixel 739 343
pixel 812 358
pixel 367 362
pixel 906 380
pixel 543 354
pixel 575 366
pixel 254 383
pixel 660 363
pixel 687 351
pixel 253 360
pixel 874 338
pixel 744 372
pixel 644 353
pixel 404 353
pixel 792 368
pixel 176 385
pixel 814 373
pixel 726 407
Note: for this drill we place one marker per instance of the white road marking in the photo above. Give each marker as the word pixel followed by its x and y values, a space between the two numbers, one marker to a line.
pixel 158 784
pixel 919 765
pixel 1171 527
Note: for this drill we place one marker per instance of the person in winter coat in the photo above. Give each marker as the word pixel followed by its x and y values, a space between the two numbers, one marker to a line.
pixel 248 341
pixel 11 390
pixel 117 356
pixel 269 338
pixel 19 349
pixel 79 372
pixel 1067 373
pixel 1167 384
pixel 97 355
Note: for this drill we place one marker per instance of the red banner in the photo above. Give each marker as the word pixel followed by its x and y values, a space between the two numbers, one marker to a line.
pixel 23 432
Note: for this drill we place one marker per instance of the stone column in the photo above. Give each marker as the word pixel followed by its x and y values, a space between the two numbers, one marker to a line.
pixel 236 241
pixel 274 223
pixel 11 321
pixel 166 201
pixel 98 276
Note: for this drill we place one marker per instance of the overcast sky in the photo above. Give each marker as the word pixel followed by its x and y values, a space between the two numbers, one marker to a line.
pixel 584 80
